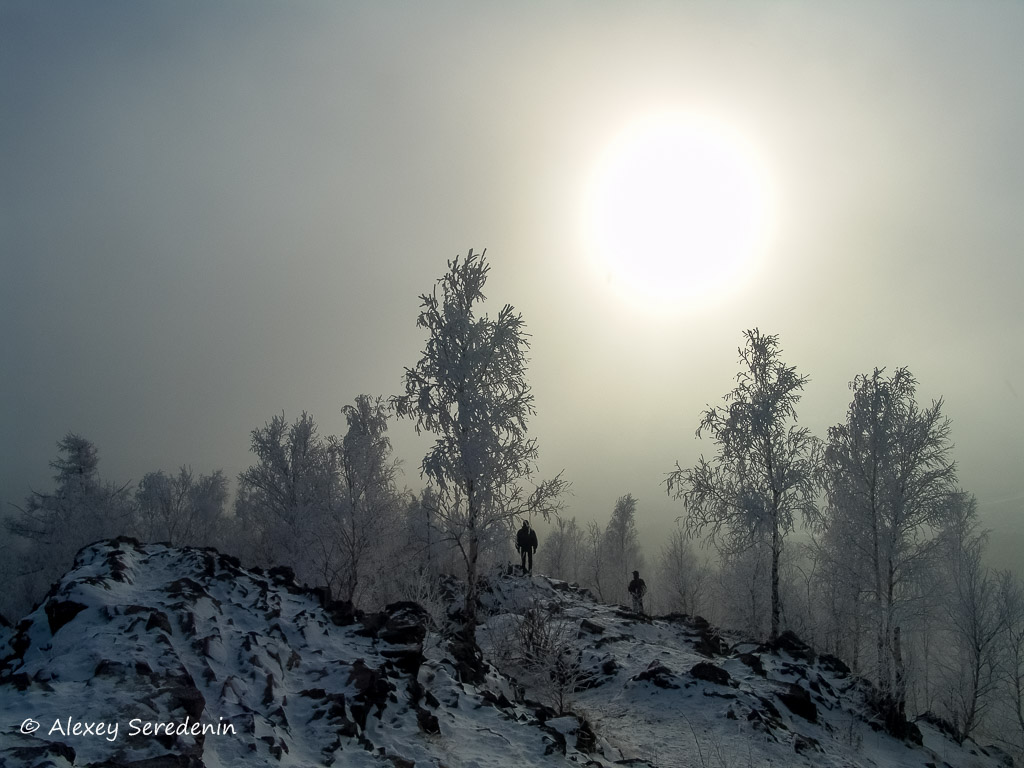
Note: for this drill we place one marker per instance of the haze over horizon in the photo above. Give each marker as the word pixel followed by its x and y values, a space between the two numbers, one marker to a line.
pixel 214 213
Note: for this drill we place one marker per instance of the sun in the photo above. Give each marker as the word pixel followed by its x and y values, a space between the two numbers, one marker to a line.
pixel 677 211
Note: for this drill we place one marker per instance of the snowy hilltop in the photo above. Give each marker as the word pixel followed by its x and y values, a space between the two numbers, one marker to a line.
pixel 148 655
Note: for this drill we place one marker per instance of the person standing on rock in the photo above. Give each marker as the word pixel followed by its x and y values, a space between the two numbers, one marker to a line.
pixel 526 543
pixel 637 590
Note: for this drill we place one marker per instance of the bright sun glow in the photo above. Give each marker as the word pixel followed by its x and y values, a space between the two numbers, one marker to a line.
pixel 677 211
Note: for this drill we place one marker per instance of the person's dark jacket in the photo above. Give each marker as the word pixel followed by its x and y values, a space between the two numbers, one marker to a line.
pixel 637 587
pixel 526 540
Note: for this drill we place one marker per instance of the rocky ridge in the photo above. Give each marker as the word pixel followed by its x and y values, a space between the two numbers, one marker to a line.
pixel 146 655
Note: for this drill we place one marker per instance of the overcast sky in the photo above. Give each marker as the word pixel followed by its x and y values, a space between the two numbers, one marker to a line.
pixel 213 212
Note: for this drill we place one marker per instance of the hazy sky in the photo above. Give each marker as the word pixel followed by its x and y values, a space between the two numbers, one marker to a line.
pixel 213 212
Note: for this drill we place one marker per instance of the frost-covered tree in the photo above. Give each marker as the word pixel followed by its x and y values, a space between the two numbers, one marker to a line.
pixel 469 390
pixel 622 547
pixel 366 506
pixel 181 509
pixel 563 553
pixel 1012 598
pixel 889 484
pixel 284 497
pixel 977 618
pixel 52 527
pixel 844 612
pixel 744 589
pixel 426 546
pixel 683 579
pixel 762 477
pixel 596 556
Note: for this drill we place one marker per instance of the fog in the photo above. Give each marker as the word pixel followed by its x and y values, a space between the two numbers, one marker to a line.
pixel 212 213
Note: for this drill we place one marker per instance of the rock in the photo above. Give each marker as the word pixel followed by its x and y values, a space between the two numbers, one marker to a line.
pixel 268 691
pixel 591 627
pixel 710 673
pixel 189 699
pixel 21 681
pixel 753 661
pixel 186 588
pixel 60 612
pixel 804 744
pixel 372 688
pixel 793 645
pixel 499 701
pixel 939 723
pixel 798 701
pixel 710 644
pixel 469 660
pixel 108 668
pixel 21 640
pixel 657 674
pixel 557 744
pixel 427 721
pixel 1001 756
pixel 44 754
pixel 699 623
pixel 159 620
pixel 282 574
pixel 586 740
pixel 406 623
pixel 834 664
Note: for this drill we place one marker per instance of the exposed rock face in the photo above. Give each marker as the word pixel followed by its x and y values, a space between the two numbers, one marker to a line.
pixel 798 700
pixel 710 673
pixel 214 664
pixel 199 661
pixel 60 612
pixel 658 675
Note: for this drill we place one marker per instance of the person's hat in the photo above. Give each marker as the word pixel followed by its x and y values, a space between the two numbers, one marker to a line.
pixel 636 573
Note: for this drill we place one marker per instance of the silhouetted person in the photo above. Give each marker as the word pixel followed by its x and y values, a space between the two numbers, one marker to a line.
pixel 637 590
pixel 526 543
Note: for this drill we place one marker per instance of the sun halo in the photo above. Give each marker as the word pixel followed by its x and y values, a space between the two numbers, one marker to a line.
pixel 677 211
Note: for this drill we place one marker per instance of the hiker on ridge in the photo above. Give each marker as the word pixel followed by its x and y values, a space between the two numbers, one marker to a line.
pixel 637 590
pixel 526 543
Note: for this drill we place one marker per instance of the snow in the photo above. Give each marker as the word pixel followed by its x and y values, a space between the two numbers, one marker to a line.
pixel 150 634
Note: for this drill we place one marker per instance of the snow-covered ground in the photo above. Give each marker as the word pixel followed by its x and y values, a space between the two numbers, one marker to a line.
pixel 674 691
pixel 138 640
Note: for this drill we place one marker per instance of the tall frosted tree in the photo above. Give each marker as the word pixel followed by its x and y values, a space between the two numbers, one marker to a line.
pixel 469 390
pixel 762 476
pixel 890 486
pixel 977 621
pixel 51 527
pixel 181 509
pixel 367 503
pixel 563 553
pixel 622 546
pixel 683 579
pixel 285 496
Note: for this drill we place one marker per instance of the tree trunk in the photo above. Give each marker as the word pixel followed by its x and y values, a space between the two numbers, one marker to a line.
pixel 776 606
pixel 471 564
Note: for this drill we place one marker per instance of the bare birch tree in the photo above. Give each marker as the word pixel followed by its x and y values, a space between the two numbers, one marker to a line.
pixel 889 484
pixel 469 389
pixel 977 619
pixel 181 509
pixel 762 477
pixel 622 547
pixel 283 498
